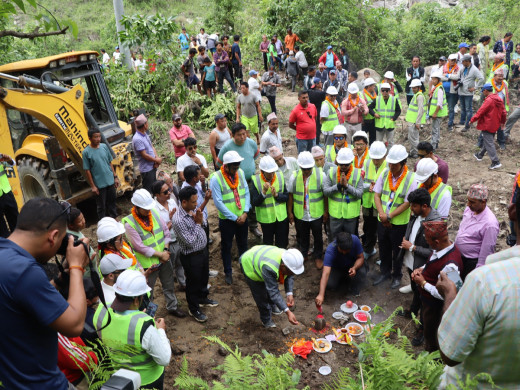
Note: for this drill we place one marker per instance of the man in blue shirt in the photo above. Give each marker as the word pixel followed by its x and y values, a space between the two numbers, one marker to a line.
pixel 236 58
pixel 33 311
pixel 184 40
pixel 343 262
pixel 145 152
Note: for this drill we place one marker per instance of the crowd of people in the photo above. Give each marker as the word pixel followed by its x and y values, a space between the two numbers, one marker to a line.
pixel 348 183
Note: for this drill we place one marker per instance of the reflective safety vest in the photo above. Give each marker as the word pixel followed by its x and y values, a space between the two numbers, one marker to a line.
pixel 345 205
pixel 504 67
pixel 391 201
pixel 433 103
pixel 270 210
pixel 228 198
pixel 413 110
pixel 369 100
pixel 155 240
pixel 261 256
pixel 386 111
pixel 315 194
pixel 439 192
pixel 371 175
pixel 332 120
pixel 505 91
pixel 330 153
pixel 123 338
pixel 5 187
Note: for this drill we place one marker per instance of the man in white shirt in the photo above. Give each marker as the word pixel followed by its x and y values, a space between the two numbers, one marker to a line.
pixel 271 136
pixel 106 57
pixel 288 165
pixel 202 38
pixel 116 56
pixel 140 63
pixel 302 61
pixel 191 157
pixel 254 85
pixel 111 266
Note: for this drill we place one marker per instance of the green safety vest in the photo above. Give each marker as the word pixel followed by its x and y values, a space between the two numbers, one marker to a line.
pixel 492 74
pixel 5 187
pixel 437 195
pixel 506 93
pixel 386 111
pixel 228 198
pixel 315 200
pixel 398 200
pixel 155 240
pixel 270 210
pixel 344 205
pixel 332 120
pixel 125 330
pixel 371 175
pixel 413 109
pixel 330 153
pixel 261 256
pixel 369 100
pixel 433 103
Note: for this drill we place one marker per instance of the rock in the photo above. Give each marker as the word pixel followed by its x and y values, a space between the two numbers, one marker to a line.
pixel 176 350
pixel 222 351
pixel 286 331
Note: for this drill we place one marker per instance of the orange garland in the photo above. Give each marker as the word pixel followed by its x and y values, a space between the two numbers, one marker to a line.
pixel 495 86
pixel 234 185
pixel 335 105
pixel 338 173
pixel 146 226
pixel 369 94
pixel 264 179
pixel 496 66
pixel 434 187
pixel 350 100
pixel 126 251
pixel 518 180
pixel 452 68
pixel 390 181
pixel 356 159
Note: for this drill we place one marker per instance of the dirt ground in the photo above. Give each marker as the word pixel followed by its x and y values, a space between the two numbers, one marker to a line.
pixel 236 319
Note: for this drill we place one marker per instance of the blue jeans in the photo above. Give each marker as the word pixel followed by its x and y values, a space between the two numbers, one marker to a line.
pixel 305 144
pixel 275 60
pixel 466 109
pixel 452 98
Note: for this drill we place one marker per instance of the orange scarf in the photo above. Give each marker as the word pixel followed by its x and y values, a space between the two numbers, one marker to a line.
pixel 434 187
pixel 495 86
pixel 434 88
pixel 335 105
pixel 390 181
pixel 126 251
pixel 369 94
pixel 351 102
pixel 146 225
pixel 357 163
pixel 450 70
pixel 264 179
pixel 496 66
pixel 233 185
pixel 338 173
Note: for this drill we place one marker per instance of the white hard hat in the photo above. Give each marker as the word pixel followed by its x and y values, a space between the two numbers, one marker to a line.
pixel 305 160
pixel 425 168
pixel 112 262
pixel 386 85
pixel 293 259
pixel 142 198
pixel 415 83
pixel 452 56
pixel 360 133
pixel 108 228
pixel 331 91
pixel 389 75
pixel 345 156
pixel 339 129
pixel 397 154
pixel 267 164
pixel 377 150
pixel 353 88
pixel 436 73
pixel 369 81
pixel 131 283
pixel 232 157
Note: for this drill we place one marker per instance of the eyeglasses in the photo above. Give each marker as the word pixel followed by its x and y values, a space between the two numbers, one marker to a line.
pixel 338 138
pixel 166 192
pixel 421 155
pixel 359 145
pixel 385 90
pixel 66 209
pixel 234 165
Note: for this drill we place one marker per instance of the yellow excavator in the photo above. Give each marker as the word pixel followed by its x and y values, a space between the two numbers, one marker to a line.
pixel 47 106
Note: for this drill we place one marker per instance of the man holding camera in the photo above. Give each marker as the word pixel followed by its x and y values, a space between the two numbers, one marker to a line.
pixel 33 310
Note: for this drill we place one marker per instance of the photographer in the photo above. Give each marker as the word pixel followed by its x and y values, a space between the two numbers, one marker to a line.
pixel 33 310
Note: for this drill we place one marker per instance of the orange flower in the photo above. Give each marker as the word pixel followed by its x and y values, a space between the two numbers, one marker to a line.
pixel 451 69
pixel 146 225
pixel 126 251
pixel 359 164
pixel 434 187
pixel 518 181
pixel 334 104
pixel 495 86
pixel 496 66
pixel 338 173
pixel 390 181
pixel 264 179
pixel 227 178
pixel 351 102
pixel 369 94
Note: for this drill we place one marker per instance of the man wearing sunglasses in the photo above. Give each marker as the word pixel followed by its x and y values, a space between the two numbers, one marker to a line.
pixel 386 108
pixel 303 120
pixel 340 142
pixel 191 157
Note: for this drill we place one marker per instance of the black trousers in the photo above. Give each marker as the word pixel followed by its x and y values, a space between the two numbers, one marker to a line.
pixel 228 230
pixel 8 213
pixel 432 315
pixel 237 70
pixel 196 268
pixel 318 130
pixel 266 63
pixel 468 266
pixel 272 103
pixel 369 229
pixel 276 233
pixel 369 127
pixel 303 229
pixel 416 301
pixel 158 384
pixel 149 179
pixel 261 297
pixel 389 241
pixel 106 202
pixel 339 277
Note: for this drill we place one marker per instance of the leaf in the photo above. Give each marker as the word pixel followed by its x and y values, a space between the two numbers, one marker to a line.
pixel 20 4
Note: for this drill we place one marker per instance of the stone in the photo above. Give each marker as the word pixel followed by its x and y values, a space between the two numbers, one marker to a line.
pixel 222 351
pixel 286 331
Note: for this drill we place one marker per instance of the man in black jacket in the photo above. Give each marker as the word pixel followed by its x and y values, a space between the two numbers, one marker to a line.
pixel 416 71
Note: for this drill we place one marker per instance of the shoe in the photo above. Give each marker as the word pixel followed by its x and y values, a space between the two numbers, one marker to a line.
pixel 495 165
pixel 208 286
pixel 177 313
pixel 209 302
pixel 380 279
pixel 476 155
pixel 502 147
pixel 356 293
pixel 257 232
pixel 182 288
pixel 418 340
pixel 199 316
pixel 229 279
pixel 450 128
pixel 378 261
pixel 269 324
pixel 406 289
pixel 275 311
pixel 405 314
pixel 395 283
pixel 212 273
pixel 319 263
pixel 465 129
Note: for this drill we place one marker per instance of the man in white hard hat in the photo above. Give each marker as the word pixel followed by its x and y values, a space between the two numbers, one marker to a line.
pixel 450 79
pixel 111 267
pixel 231 197
pixel 307 207
pixel 271 136
pixel 340 142
pixel 391 199
pixel 386 108
pixel 374 166
pixel 369 94
pixel 353 108
pixel 269 197
pixel 395 87
pixel 330 115
pixel 287 165
pixel 319 159
pixel 438 106
pixel 415 115
pixel 427 175
pixel 149 349
pixel 264 266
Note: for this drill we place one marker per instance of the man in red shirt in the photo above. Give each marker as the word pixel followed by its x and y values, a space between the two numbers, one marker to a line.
pixel 303 120
pixel 178 133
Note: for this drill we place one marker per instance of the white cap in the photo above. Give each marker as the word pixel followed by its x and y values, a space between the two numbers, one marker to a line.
pixel 108 228
pixel 345 156
pixel 353 88
pixel 452 56
pixel 232 157
pixel 331 91
pixel 112 262
pixel 131 283
pixel 415 83
pixel 142 198
pixel 267 164
pixel 317 151
pixel 293 259
pixel 305 160
pixel 377 150
pixel 339 129
pixel 425 168
pixel 369 81
pixel 386 85
pixel 389 75
pixel 360 133
pixel 397 154
pixel 436 73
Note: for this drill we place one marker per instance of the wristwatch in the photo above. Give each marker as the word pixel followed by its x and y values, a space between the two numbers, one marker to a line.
pixel 411 249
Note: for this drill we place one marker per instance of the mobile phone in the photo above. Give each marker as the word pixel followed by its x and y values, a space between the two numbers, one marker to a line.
pixel 455 278
pixel 156 266
pixel 151 309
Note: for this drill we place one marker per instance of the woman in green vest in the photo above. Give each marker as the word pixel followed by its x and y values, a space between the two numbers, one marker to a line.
pixel 438 106
pixel 269 197
pixel 415 115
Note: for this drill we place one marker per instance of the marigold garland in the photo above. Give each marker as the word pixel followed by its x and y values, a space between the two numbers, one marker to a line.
pixel 369 94
pixel 338 173
pixel 390 181
pixel 146 225
pixel 334 104
pixel 264 179
pixel 496 66
pixel 518 180
pixel 233 185
pixel 124 250
pixel 434 187
pixel 351 102
pixel 359 164
pixel 495 86
pixel 450 70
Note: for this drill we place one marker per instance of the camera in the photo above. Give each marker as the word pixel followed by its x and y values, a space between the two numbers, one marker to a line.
pixel 64 243
pixel 459 84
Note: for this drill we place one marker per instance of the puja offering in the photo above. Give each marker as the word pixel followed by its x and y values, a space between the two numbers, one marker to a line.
pixel 342 336
pixel 354 329
pixel 362 316
pixel 344 307
pixel 366 308
pixel 325 370
pixel 321 345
